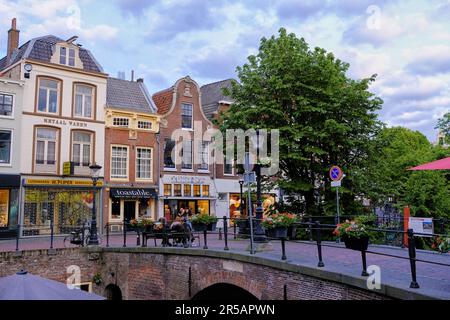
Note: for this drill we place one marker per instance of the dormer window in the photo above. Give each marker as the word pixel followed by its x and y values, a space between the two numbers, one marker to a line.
pixel 67 56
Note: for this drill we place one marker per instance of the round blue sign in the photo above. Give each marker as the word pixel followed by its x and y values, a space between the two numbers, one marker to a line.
pixel 336 173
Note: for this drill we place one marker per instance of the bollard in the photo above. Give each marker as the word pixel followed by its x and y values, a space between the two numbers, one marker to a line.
pixel 319 245
pixel 412 258
pixel 225 232
pixel 17 237
pixel 51 234
pixel 205 236
pixel 283 249
pixel 234 229
pixel 83 229
pixel 220 233
pixel 364 272
pixel 107 235
pixel 138 239
pixel 310 230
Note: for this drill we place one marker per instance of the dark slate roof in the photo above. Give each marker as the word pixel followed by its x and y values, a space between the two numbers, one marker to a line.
pixel 41 49
pixel 212 94
pixel 128 95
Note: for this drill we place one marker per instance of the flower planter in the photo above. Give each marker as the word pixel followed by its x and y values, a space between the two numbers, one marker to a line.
pixel 277 232
pixel 360 244
pixel 242 224
pixel 292 233
pixel 212 226
pixel 199 227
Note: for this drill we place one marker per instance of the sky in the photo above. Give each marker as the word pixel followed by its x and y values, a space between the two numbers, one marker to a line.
pixel 406 43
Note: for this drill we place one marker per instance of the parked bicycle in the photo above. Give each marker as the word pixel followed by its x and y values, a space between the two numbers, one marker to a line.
pixel 80 237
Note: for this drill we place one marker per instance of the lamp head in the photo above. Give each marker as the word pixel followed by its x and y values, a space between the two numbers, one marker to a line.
pixel 95 170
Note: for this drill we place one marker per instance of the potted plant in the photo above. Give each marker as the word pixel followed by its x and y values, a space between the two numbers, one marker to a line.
pixel 147 224
pixel 354 233
pixel 203 222
pixel 97 278
pixel 441 244
pixel 277 224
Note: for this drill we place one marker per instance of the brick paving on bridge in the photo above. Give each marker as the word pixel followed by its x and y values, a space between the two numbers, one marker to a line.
pixel 434 280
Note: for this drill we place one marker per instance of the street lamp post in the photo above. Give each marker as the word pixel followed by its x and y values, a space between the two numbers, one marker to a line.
pixel 241 197
pixel 259 235
pixel 95 171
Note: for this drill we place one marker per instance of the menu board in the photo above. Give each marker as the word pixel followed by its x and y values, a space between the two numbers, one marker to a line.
pixel 422 226
pixel 4 206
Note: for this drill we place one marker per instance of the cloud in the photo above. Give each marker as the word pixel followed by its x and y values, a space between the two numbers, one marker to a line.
pixel 134 7
pixel 294 9
pixel 430 60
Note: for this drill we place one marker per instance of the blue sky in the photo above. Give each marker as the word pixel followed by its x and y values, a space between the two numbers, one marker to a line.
pixel 407 43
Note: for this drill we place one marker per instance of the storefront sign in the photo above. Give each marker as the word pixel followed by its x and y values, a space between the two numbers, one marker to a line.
pixel 189 180
pixel 62 122
pixel 68 168
pixel 54 182
pixel 133 193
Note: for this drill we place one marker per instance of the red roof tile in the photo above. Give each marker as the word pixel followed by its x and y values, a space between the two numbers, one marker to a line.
pixel 163 100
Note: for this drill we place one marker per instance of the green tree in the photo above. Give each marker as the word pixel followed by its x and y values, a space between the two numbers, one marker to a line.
pixel 444 126
pixel 325 118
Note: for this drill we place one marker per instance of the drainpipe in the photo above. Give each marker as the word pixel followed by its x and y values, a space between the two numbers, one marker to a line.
pixel 158 136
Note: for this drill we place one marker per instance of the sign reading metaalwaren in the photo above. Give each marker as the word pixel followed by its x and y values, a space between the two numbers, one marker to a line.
pixel 133 193
pixel 63 122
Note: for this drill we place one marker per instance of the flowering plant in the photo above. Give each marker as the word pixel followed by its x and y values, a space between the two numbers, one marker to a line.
pixel 441 244
pixel 141 223
pixel 352 229
pixel 279 220
pixel 203 219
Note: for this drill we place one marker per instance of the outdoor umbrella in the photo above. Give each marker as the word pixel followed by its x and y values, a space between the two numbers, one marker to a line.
pixel 25 286
pixel 443 164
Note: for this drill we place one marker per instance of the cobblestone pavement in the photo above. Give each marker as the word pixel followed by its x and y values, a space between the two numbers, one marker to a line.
pixel 434 280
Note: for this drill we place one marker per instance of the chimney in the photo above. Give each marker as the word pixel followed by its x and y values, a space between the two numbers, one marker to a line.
pixel 141 80
pixel 132 75
pixel 13 38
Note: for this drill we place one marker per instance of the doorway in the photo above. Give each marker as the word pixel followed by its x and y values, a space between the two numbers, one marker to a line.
pixel 113 292
pixel 129 210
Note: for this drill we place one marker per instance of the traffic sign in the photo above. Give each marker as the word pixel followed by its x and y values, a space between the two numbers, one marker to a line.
pixel 336 183
pixel 336 173
pixel 249 178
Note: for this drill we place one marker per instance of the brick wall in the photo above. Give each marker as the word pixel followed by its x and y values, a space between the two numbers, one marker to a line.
pixel 154 276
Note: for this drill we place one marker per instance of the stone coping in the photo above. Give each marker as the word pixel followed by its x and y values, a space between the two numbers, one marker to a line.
pixel 358 282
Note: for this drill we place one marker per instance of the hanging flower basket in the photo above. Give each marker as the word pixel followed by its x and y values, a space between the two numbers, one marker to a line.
pixel 360 244
pixel 277 232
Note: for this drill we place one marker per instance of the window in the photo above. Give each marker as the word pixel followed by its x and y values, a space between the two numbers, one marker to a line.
pixel 187 190
pixel 144 163
pixel 168 151
pixel 6 105
pixel 177 190
pixel 48 95
pixel 146 125
pixel 204 156
pixel 186 116
pixel 119 163
pixel 187 155
pixel 196 190
pixel 83 101
pixel 227 167
pixel 4 208
pixel 167 190
pixel 82 148
pixel 121 122
pixel 63 56
pixel 46 144
pixel 205 191
pixel 5 146
pixel 115 209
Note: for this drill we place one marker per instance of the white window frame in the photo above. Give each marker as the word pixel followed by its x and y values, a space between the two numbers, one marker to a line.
pixel 201 156
pixel 151 164
pixel 82 144
pixel 174 152
pixel 122 178
pixel 192 116
pixel 121 119
pixel 191 169
pixel 67 57
pixel 232 168
pixel 45 166
pixel 83 101
pixel 145 122
pixel 9 164
pixel 13 105
pixel 58 97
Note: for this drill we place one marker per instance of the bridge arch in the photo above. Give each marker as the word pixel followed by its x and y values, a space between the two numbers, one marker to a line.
pixel 221 291
pixel 113 292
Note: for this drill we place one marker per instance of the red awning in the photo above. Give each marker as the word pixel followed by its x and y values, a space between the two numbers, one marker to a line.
pixel 443 164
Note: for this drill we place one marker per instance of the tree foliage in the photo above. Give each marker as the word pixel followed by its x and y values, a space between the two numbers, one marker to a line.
pixel 444 126
pixel 325 118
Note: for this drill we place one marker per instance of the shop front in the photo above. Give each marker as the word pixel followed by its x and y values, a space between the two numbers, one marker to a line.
pixel 132 203
pixel 66 203
pixel 9 201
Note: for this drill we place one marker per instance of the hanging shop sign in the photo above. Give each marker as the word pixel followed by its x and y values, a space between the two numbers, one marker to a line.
pixel 133 193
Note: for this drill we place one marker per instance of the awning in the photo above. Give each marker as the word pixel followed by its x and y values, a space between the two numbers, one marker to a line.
pixel 443 164
pixel 133 193
pixel 9 181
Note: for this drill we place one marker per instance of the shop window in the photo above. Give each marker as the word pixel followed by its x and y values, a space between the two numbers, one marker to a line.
pixel 119 162
pixel 187 190
pixel 144 208
pixel 177 190
pixel 169 148
pixel 84 101
pixel 167 190
pixel 6 105
pixel 4 208
pixel 203 206
pixel 48 97
pixel 197 190
pixel 5 146
pixel 205 191
pixel 115 209
pixel 144 163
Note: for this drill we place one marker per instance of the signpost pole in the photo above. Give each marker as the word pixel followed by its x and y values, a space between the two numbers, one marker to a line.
pixel 338 240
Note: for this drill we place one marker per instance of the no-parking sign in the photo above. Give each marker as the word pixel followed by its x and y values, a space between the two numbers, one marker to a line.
pixel 336 173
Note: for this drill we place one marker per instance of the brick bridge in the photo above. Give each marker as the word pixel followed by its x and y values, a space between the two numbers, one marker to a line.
pixel 178 273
